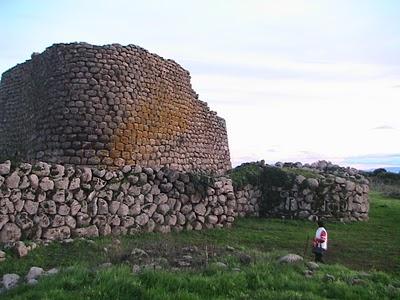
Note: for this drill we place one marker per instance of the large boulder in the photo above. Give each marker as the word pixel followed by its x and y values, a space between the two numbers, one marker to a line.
pixel 290 258
pixel 10 281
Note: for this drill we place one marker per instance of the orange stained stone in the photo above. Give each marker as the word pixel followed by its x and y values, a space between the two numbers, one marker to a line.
pixel 124 140
pixel 107 161
pixel 118 132
pixel 142 149
pixel 116 139
pixel 119 162
pixel 115 153
pixel 119 146
pixel 126 155
pixel 129 148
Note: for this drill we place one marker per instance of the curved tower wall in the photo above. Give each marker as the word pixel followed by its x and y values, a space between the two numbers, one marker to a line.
pixel 108 106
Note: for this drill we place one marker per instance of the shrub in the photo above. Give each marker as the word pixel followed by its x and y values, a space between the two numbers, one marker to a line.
pixel 247 173
pixel 270 179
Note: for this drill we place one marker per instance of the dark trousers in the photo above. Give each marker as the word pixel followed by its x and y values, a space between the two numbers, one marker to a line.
pixel 318 257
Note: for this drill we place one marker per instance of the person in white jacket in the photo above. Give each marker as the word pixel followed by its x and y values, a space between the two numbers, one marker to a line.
pixel 320 242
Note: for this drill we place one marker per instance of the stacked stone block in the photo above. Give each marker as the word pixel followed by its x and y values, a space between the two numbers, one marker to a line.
pixel 108 106
pixel 329 192
pixel 56 202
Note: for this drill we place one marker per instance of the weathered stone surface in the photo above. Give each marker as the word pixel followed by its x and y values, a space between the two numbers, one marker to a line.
pixel 34 180
pixel 41 169
pixel 20 249
pixel 90 231
pixel 200 209
pixel 166 187
pixel 113 207
pixel 142 219
pixel 163 209
pixel 186 209
pixel 70 222
pixel 46 184
pixel 10 280
pixel 2 256
pixel 158 218
pixel 74 184
pixel 3 220
pixel 212 219
pixel 5 167
pixel 135 209
pixel 59 233
pixel 123 210
pixel 10 233
pixel 34 273
pixel 87 175
pixel 290 258
pixel 312 183
pixel 12 181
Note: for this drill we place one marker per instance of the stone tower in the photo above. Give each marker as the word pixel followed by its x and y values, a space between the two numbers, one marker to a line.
pixel 108 106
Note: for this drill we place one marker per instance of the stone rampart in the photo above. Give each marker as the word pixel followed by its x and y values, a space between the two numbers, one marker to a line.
pixel 43 201
pixel 323 191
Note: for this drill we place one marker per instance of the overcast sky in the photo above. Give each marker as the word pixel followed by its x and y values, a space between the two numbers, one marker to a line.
pixel 295 80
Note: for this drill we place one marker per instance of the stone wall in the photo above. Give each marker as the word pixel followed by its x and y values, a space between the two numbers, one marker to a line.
pixel 328 191
pixel 248 199
pixel 108 106
pixel 54 202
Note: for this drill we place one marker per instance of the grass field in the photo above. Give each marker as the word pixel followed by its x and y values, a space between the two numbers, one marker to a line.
pixel 369 251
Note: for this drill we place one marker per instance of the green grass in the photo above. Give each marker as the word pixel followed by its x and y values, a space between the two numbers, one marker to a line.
pixel 371 246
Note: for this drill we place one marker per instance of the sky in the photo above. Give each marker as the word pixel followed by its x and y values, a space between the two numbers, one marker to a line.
pixel 295 80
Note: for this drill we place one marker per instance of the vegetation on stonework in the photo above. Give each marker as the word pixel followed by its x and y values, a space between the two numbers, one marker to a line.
pixel 354 248
pixel 247 173
pixel 267 178
pixel 201 181
pixel 256 173
pixel 271 178
pixel 303 172
pixel 14 159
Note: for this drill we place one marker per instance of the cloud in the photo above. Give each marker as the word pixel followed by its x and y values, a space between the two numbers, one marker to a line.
pixel 272 150
pixel 384 127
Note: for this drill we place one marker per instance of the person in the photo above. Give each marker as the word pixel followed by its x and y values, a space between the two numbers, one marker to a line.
pixel 320 242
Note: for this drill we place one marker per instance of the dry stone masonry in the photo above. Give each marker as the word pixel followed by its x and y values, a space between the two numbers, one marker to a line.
pixel 56 202
pixel 108 106
pixel 327 191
